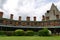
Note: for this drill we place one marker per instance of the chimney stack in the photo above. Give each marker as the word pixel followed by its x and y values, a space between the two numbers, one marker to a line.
pixel 28 18
pixel 19 18
pixel 43 17
pixel 34 18
pixel 1 14
pixel 11 16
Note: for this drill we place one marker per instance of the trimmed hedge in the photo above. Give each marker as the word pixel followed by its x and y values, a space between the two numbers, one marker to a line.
pixel 29 33
pixel 44 32
pixel 9 33
pixel 19 32
pixel 2 33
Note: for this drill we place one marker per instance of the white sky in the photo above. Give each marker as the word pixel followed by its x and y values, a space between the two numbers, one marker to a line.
pixel 26 8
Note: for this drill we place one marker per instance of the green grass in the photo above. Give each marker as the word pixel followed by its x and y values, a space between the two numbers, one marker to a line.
pixel 29 38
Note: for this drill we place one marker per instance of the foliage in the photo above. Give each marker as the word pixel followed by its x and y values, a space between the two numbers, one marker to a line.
pixel 9 33
pixel 44 32
pixel 19 32
pixel 29 33
pixel 2 33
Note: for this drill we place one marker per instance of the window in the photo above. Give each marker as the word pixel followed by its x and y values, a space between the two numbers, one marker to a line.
pixel 27 23
pixel 1 21
pixel 10 22
pixel 47 18
pixel 19 23
pixel 57 16
pixel 54 12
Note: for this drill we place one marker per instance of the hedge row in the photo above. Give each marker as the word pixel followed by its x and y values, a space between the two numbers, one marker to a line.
pixel 20 32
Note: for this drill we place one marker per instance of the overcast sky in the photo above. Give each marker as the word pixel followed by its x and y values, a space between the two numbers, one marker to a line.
pixel 26 8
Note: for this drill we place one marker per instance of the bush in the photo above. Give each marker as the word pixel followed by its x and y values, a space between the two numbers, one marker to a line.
pixel 29 33
pixel 44 32
pixel 2 33
pixel 9 33
pixel 19 32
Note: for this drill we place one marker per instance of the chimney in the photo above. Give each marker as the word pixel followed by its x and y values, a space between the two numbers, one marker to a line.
pixel 11 16
pixel 1 14
pixel 19 18
pixel 34 18
pixel 28 18
pixel 43 18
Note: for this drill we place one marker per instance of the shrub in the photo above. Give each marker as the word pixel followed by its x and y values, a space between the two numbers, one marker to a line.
pixel 29 33
pixel 19 32
pixel 9 33
pixel 44 32
pixel 2 33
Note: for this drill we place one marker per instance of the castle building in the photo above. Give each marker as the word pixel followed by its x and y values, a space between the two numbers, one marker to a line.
pixel 51 19
pixel 52 14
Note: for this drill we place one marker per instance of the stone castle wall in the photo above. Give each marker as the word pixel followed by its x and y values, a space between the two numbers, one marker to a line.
pixel 51 18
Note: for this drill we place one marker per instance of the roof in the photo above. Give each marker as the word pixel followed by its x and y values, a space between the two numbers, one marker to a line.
pixel 29 26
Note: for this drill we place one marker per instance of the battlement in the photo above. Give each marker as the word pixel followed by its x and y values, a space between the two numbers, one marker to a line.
pixel 51 18
pixel 19 19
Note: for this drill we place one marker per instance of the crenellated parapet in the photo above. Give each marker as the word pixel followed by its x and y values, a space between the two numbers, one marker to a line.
pixel 51 18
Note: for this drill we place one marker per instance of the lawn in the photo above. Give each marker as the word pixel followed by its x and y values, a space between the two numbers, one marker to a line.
pixel 29 38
